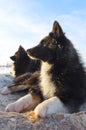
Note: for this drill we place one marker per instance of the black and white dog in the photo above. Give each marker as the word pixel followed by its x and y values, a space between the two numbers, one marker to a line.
pixel 62 79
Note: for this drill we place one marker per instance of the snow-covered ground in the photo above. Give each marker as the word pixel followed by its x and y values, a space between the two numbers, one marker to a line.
pixel 5 70
pixel 6 79
pixel 5 76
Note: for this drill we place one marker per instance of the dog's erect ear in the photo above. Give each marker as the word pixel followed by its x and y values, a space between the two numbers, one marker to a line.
pixel 13 58
pixel 21 49
pixel 57 29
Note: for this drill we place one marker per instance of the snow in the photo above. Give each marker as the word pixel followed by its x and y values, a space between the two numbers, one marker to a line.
pixel 6 79
pixel 5 70
pixel 5 76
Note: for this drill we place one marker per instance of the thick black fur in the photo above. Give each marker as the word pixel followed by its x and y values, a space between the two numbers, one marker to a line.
pixel 67 71
pixel 23 63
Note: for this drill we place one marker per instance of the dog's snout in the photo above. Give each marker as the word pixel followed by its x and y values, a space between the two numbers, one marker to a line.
pixel 29 51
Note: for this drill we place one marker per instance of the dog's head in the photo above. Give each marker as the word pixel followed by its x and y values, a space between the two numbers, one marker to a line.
pixel 20 60
pixel 51 46
pixel 20 54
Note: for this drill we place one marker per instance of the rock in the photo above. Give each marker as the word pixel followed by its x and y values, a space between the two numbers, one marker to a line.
pixel 6 80
pixel 16 121
pixel 27 121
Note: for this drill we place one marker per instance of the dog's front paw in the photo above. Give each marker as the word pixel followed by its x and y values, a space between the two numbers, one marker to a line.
pixel 41 110
pixel 20 105
pixel 45 108
pixel 13 107
pixel 24 103
pixel 50 106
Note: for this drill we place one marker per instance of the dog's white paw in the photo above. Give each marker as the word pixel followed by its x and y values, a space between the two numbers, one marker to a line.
pixel 42 109
pixel 26 102
pixel 20 104
pixel 50 106
pixel 5 90
pixel 14 107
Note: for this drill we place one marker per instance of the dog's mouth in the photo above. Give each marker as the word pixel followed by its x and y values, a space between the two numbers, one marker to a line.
pixel 29 53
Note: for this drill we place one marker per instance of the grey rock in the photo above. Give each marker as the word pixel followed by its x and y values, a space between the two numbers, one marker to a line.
pixel 16 121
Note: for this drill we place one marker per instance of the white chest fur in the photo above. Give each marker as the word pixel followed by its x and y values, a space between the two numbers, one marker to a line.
pixel 47 85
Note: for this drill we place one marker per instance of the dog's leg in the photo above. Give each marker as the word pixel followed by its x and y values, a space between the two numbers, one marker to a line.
pixel 27 102
pixel 13 88
pixel 50 106
pixel 27 84
pixel 17 84
pixel 22 77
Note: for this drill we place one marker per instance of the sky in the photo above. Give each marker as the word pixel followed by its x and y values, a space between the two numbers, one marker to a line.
pixel 26 22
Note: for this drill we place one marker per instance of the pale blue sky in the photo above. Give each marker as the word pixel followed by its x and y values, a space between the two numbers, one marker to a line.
pixel 25 22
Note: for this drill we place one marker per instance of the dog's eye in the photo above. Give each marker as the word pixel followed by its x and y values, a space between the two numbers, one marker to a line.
pixel 53 43
pixel 56 43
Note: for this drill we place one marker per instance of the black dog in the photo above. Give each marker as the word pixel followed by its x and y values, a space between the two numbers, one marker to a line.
pixel 62 74
pixel 23 69
pixel 22 63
